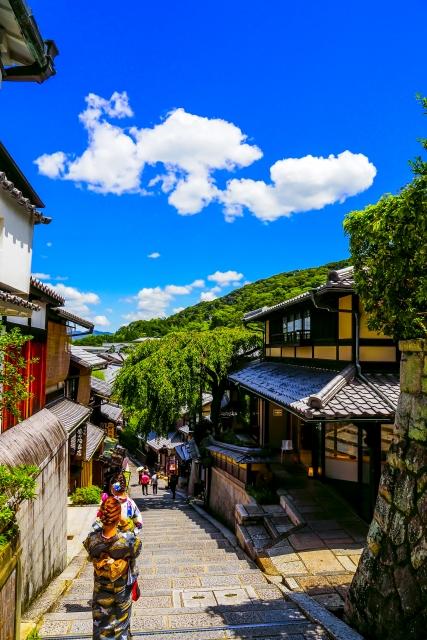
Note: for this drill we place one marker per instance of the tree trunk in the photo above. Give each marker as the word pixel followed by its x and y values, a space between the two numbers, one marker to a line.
pixel 388 596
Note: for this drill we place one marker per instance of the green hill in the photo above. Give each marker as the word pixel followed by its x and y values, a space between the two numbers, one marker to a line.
pixel 226 311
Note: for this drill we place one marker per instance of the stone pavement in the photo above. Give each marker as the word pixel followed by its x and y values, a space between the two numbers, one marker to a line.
pixel 195 585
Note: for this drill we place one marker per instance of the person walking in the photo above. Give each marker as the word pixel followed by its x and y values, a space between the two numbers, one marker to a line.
pixel 113 555
pixel 173 481
pixel 154 483
pixel 144 481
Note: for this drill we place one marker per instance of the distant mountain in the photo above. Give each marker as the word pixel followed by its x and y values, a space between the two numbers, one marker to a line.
pixel 227 311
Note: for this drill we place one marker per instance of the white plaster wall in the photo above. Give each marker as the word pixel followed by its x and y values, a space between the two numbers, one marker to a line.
pixel 38 318
pixel 43 528
pixel 16 241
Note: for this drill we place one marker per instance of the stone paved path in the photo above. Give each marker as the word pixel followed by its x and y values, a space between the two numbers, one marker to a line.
pixel 195 586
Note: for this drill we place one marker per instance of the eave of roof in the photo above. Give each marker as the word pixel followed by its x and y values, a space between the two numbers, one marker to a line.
pixel 31 59
pixel 11 304
pixel 81 322
pixel 94 437
pixel 100 387
pixel 315 394
pixel 345 283
pixel 86 359
pixel 112 411
pixel 47 291
pixel 70 414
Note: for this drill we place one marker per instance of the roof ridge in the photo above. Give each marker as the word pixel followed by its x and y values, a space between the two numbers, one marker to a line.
pixel 330 390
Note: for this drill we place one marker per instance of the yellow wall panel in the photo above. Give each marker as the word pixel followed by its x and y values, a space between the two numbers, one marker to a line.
pixel 304 352
pixel 364 331
pixel 345 302
pixel 345 353
pixel 377 354
pixel 288 352
pixel 267 351
pixel 275 352
pixel 345 325
pixel 325 353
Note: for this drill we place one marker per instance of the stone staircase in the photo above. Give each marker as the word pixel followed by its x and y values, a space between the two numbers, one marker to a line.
pixel 195 585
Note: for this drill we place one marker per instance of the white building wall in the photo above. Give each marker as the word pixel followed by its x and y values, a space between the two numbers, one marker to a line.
pixel 16 241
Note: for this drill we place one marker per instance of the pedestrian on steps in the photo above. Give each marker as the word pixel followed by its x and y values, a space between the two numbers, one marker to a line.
pixel 113 555
pixel 154 483
pixel 144 481
pixel 173 481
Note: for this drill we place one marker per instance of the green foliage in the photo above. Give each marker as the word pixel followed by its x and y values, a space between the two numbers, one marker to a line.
pixel 86 495
pixel 263 495
pixel 161 376
pixel 388 243
pixel 16 484
pixel 98 374
pixel 33 635
pixel 128 438
pixel 227 311
pixel 13 384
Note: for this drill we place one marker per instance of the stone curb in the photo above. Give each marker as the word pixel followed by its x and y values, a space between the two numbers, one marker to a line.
pixel 56 589
pixel 225 532
pixel 336 628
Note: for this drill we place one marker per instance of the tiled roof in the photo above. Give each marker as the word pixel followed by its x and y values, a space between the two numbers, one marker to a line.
pixel 86 359
pixel 158 442
pixel 111 411
pixel 187 451
pixel 81 322
pixel 70 414
pixel 16 301
pixel 321 393
pixel 241 455
pixel 95 436
pixel 44 288
pixel 100 387
pixel 111 373
pixel 342 279
pixel 14 192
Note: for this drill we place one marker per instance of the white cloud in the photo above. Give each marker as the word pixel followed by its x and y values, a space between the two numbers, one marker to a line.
pixel 101 321
pixel 226 278
pixel 49 244
pixel 197 284
pixel 61 278
pixel 154 255
pixel 42 276
pixel 76 301
pixel 178 309
pixel 207 296
pixel 300 184
pixel 188 146
pixel 52 165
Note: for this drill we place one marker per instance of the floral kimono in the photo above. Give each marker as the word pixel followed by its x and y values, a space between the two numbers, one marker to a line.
pixel 114 561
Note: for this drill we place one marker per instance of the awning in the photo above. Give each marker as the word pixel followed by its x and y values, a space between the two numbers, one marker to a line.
pixel 240 455
pixel 71 317
pixel 160 442
pixel 13 305
pixel 100 387
pixel 70 414
pixel 95 436
pixel 86 359
pixel 315 393
pixel 112 412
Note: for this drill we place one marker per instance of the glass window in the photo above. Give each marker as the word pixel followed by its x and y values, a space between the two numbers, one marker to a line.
pixel 285 324
pixel 290 323
pixel 341 446
pixel 298 321
pixel 307 320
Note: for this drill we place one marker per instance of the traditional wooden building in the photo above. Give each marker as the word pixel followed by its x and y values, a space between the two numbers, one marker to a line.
pixel 324 393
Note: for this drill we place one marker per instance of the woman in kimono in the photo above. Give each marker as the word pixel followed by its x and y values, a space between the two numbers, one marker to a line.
pixel 113 555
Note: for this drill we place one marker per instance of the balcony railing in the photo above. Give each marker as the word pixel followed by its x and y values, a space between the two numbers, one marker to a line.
pixel 291 338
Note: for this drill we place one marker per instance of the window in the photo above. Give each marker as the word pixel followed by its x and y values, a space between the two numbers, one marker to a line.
pixel 297 327
pixel 307 323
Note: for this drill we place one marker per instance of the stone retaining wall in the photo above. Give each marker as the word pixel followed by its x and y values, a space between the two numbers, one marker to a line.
pixel 225 493
pixel 388 596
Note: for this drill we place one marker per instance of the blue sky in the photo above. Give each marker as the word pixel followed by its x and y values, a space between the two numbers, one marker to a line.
pixel 238 113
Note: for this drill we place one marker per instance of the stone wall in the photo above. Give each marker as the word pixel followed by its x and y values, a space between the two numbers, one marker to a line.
pixel 388 595
pixel 40 440
pixel 225 493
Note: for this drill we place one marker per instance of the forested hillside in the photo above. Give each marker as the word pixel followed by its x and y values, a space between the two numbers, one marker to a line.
pixel 226 311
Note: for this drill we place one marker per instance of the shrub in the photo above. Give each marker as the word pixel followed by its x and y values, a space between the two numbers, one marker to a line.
pixel 16 484
pixel 263 495
pixel 86 495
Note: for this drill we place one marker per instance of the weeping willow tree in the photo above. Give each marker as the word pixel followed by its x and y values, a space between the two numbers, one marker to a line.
pixel 160 377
